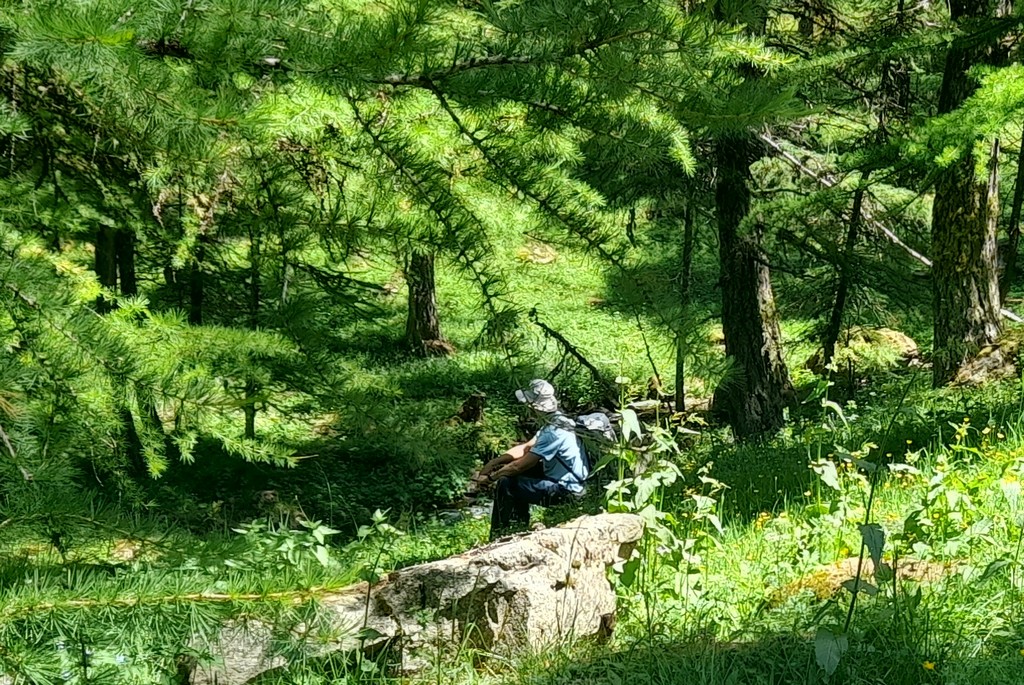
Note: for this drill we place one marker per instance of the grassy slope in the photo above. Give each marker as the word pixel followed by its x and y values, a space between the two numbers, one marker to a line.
pixel 755 602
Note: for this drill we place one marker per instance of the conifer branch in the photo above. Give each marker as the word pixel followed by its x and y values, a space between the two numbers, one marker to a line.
pixel 429 79
pixel 516 185
pixel 826 180
pixel 294 597
pixel 591 235
pixel 445 216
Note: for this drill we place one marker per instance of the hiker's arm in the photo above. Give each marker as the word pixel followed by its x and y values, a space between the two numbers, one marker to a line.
pixel 517 466
pixel 514 453
pixel 494 464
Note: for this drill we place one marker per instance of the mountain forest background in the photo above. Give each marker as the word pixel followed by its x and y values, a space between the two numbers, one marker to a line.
pixel 271 272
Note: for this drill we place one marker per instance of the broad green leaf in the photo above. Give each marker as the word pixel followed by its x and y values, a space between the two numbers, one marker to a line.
pixel 874 540
pixel 829 647
pixel 829 404
pixel 369 633
pixel 826 470
pixel 853 585
pixel 993 569
pixel 630 424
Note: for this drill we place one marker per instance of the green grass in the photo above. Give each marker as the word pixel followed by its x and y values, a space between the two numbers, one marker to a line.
pixel 751 604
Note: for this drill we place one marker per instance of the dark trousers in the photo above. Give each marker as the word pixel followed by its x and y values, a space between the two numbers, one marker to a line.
pixel 513 497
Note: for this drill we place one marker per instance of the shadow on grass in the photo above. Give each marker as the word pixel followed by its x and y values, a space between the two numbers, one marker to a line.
pixel 651 287
pixel 778 660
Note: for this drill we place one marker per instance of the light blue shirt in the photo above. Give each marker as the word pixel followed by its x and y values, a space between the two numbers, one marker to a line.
pixel 562 455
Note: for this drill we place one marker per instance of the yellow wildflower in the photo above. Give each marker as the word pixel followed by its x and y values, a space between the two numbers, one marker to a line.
pixel 928 666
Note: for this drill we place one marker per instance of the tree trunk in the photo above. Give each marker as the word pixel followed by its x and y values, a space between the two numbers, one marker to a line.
pixel 835 322
pixel 249 409
pixel 196 287
pixel 965 286
pixel 805 24
pixel 964 279
pixel 125 247
pixel 686 268
pixel 422 325
pixel 1013 230
pixel 753 395
pixel 255 304
pixel 105 254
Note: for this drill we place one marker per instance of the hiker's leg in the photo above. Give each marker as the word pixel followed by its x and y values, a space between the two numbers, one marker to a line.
pixel 513 497
pixel 540 491
pixel 501 509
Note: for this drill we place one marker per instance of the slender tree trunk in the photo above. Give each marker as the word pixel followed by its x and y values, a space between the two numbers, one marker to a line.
pixel 250 409
pixel 805 25
pixel 196 286
pixel 686 268
pixel 835 321
pixel 105 264
pixel 422 325
pixel 255 303
pixel 1013 230
pixel 125 247
pixel 965 286
pixel 753 395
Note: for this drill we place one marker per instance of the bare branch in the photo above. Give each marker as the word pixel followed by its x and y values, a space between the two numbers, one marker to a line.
pixel 827 180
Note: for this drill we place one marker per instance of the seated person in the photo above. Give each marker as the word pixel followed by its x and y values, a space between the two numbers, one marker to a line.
pixel 548 470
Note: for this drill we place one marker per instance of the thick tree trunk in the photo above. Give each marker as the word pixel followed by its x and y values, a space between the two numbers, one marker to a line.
pixel 686 268
pixel 105 254
pixel 753 395
pixel 1013 230
pixel 965 285
pixel 422 325
pixel 835 321
pixel 124 242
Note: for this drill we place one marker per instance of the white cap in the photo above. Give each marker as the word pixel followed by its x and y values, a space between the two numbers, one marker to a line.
pixel 540 395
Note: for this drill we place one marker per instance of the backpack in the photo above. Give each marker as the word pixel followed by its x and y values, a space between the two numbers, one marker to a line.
pixel 595 430
pixel 597 434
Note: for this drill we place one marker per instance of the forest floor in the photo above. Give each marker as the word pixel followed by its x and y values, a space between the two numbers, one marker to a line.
pixel 758 597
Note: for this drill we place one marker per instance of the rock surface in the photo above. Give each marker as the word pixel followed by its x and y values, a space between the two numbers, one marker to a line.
pixel 522 592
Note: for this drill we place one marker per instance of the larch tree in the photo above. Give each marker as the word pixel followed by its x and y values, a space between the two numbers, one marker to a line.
pixel 753 395
pixel 965 279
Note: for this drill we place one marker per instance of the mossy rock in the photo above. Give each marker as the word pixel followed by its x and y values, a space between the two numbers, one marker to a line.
pixel 869 350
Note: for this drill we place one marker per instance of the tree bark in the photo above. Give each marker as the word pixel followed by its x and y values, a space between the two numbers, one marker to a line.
pixel 686 268
pixel 1013 230
pixel 196 287
pixel 124 243
pixel 965 285
pixel 753 395
pixel 835 322
pixel 105 255
pixel 422 325
pixel 255 304
pixel 249 409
